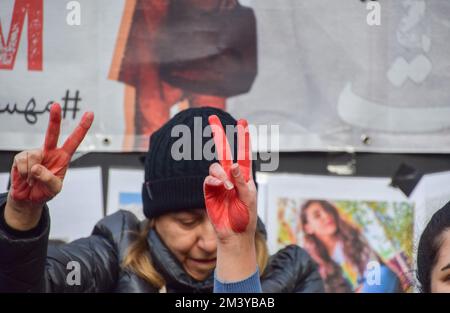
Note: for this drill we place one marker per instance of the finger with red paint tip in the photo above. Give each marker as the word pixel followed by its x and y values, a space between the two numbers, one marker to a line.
pixel 24 160
pixel 19 186
pixel 74 140
pixel 20 163
pixel 244 150
pixel 221 142
pixel 47 178
pixel 53 129
pixel 239 180
pixel 34 157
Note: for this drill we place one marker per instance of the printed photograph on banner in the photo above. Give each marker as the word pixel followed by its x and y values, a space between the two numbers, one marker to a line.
pixel 172 55
pixel 267 61
pixel 124 191
pixel 132 201
pixel 360 246
pixel 359 230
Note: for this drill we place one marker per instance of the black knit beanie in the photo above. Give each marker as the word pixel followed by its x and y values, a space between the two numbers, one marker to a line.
pixel 177 185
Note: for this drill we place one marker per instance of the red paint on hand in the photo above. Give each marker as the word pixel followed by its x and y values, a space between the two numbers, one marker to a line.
pixel 225 208
pixel 56 160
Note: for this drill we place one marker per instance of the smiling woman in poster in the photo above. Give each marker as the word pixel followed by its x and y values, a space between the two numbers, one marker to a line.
pixel 343 254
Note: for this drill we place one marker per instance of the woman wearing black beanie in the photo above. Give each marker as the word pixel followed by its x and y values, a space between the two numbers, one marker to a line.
pixel 181 244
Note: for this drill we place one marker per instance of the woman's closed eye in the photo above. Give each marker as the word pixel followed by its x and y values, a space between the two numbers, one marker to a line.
pixel 190 219
pixel 447 278
pixel 190 222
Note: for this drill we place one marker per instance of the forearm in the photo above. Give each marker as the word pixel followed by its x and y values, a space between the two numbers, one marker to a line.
pixel 237 269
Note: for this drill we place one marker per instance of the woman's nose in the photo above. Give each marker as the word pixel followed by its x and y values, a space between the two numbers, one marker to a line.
pixel 208 239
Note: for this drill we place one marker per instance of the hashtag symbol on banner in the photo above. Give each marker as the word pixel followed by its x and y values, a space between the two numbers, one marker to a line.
pixel 70 104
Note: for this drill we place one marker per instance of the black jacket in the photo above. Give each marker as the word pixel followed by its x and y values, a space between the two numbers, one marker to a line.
pixel 28 264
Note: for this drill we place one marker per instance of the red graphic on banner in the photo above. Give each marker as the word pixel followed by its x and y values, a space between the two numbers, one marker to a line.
pixel 8 48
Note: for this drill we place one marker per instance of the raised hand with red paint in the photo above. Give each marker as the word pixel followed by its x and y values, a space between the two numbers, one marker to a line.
pixel 37 175
pixel 230 198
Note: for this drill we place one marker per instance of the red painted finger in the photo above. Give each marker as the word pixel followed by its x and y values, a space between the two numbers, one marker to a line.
pixel 54 125
pixel 244 149
pixel 19 186
pixel 221 142
pixel 77 136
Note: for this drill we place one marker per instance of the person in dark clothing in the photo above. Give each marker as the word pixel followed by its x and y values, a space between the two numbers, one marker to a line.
pixel 190 53
pixel 181 245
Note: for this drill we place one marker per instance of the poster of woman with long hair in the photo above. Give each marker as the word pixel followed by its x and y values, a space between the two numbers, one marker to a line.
pixel 354 243
pixel 360 231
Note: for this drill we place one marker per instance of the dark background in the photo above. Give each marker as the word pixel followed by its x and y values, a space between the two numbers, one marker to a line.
pixel 365 164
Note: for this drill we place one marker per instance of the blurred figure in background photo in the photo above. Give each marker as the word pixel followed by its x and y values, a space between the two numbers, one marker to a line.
pixel 172 55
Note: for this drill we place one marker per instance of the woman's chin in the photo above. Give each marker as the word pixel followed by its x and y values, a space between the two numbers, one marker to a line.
pixel 200 269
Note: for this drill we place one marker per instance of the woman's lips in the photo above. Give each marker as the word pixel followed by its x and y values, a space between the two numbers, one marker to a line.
pixel 204 261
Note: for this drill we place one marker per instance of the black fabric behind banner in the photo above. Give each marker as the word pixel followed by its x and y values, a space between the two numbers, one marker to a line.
pixel 315 163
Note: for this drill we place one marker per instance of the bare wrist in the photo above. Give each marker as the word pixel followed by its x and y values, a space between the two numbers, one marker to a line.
pixel 236 259
pixel 236 241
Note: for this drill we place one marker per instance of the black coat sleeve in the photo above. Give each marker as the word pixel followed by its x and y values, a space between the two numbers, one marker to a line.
pixel 292 270
pixel 29 264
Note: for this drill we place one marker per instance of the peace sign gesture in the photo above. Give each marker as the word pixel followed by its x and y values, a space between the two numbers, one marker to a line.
pixel 37 175
pixel 230 192
pixel 230 198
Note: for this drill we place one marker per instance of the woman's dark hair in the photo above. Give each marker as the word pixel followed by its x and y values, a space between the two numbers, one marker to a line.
pixel 429 245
